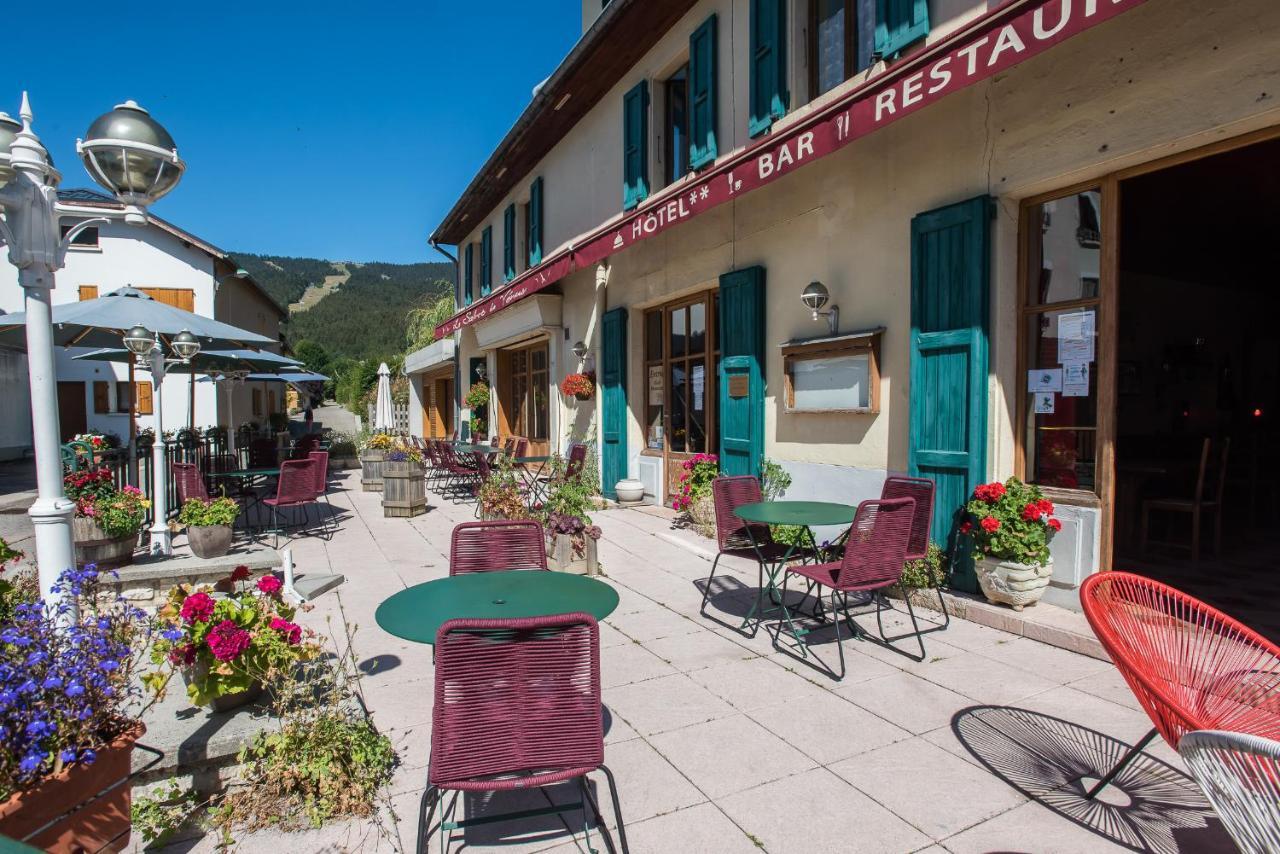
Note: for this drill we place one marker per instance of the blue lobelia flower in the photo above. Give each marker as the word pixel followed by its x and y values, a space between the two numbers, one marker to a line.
pixel 31 762
pixel 75 689
pixel 88 757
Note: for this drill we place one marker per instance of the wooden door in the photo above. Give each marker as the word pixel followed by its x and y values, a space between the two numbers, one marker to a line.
pixel 741 409
pixel 613 390
pixel 950 264
pixel 72 410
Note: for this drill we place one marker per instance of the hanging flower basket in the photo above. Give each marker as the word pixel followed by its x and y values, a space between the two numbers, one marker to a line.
pixel 581 386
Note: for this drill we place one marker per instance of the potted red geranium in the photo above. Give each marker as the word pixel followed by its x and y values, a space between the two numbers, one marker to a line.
pixel 581 386
pixel 107 519
pixel 1011 524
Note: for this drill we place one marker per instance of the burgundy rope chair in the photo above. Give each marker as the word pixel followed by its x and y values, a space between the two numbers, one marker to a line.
pixel 874 554
pixel 1191 666
pixel 921 489
pixel 262 454
pixel 577 459
pixel 517 705
pixel 321 473
pixel 295 488
pixel 456 474
pixel 497 545
pixel 509 446
pixel 737 538
pixel 190 482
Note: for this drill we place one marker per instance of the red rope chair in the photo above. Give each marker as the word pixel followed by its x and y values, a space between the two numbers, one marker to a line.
pixel 321 472
pixel 295 488
pixel 497 545
pixel 921 490
pixel 874 553
pixel 190 483
pixel 577 459
pixel 517 705
pixel 1191 666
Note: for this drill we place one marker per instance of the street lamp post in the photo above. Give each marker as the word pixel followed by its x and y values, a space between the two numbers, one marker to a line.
pixel 128 153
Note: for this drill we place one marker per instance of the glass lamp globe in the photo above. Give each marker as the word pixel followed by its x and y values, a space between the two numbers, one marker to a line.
pixel 185 345
pixel 9 128
pixel 139 340
pixel 815 296
pixel 132 156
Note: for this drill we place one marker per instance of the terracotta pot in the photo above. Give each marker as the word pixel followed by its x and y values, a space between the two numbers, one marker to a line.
pixel 209 540
pixel 1010 583
pixel 94 545
pixel 102 823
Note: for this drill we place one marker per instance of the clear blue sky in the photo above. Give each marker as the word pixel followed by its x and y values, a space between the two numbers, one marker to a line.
pixel 330 130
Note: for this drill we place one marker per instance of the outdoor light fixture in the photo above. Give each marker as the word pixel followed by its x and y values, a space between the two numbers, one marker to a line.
pixel 579 349
pixel 131 155
pixel 815 296
pixel 139 340
pixel 9 129
pixel 482 371
pixel 185 345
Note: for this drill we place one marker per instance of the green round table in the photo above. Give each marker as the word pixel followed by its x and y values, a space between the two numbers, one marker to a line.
pixel 807 513
pixel 416 613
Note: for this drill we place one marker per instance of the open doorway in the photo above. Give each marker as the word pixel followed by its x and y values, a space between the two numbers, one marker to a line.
pixel 1197 499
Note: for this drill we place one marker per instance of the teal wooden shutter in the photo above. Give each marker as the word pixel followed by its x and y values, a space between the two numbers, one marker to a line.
pixel 486 260
pixel 741 325
pixel 509 243
pixel 899 23
pixel 950 269
pixel 533 227
pixel 613 389
pixel 703 62
pixel 768 83
pixel 635 145
pixel 467 274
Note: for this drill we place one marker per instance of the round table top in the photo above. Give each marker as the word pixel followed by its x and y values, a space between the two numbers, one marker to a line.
pixel 535 459
pixel 811 513
pixel 259 472
pixel 416 613
pixel 464 448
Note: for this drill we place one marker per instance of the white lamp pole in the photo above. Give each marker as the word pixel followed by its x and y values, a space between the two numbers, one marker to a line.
pixel 138 169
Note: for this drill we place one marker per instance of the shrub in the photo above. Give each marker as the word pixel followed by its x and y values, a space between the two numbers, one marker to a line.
pixel 695 479
pixel 1011 521
pixel 500 495
pixel 119 512
pixel 774 479
pixel 928 571
pixel 199 513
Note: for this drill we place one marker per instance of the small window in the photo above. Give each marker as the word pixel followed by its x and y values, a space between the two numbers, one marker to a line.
pixel 124 397
pixel 87 238
pixel 675 128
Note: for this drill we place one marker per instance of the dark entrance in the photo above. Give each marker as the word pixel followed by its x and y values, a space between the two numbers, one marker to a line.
pixel 72 412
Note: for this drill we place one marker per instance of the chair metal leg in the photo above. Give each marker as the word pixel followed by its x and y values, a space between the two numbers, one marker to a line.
pixel 426 809
pixel 888 641
pixel 707 593
pixel 617 809
pixel 840 640
pixel 1128 757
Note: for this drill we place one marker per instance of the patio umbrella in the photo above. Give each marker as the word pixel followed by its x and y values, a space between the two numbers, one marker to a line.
pixel 102 322
pixel 209 361
pixel 383 418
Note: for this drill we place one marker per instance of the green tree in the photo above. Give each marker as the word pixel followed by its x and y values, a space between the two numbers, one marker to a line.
pixel 313 355
pixel 424 319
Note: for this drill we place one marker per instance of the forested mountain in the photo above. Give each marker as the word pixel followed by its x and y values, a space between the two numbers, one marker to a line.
pixel 366 316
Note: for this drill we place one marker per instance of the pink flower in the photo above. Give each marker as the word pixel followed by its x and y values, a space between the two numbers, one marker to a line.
pixel 270 585
pixel 292 631
pixel 198 608
pixel 227 641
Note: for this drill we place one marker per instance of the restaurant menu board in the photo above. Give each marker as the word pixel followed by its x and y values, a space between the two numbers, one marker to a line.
pixel 839 383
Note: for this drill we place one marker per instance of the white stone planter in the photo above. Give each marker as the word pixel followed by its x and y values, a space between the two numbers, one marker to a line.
pixel 1014 584
pixel 629 490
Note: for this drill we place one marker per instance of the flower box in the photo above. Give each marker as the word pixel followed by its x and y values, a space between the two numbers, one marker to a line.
pixel 95 546
pixel 209 541
pixel 371 463
pixel 562 557
pixel 101 791
pixel 404 492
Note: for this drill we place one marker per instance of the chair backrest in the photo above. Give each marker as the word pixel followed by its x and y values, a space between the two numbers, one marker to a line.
pixel 262 453
pixel 1203 471
pixel 1189 665
pixel 577 458
pixel 876 548
pixel 495 546
pixel 521 448
pixel 190 482
pixel 297 481
pixel 1220 490
pixel 509 446
pixel 321 472
pixel 516 697
pixel 920 489
pixel 728 494
pixel 1240 775
pixel 483 466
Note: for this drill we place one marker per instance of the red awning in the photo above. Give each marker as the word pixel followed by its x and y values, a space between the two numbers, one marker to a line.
pixel 987 46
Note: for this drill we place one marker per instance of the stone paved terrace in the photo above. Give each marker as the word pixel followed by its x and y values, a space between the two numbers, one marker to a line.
pixel 720 743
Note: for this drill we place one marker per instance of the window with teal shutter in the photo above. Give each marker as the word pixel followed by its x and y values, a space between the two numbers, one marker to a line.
pixel 533 224
pixel 900 23
pixel 509 243
pixel 702 94
pixel 768 85
pixel 486 260
pixel 466 274
pixel 635 145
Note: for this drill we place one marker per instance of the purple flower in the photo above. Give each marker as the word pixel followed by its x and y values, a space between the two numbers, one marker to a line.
pixel 31 762
pixel 68 755
pixel 53 683
pixel 75 689
pixel 88 757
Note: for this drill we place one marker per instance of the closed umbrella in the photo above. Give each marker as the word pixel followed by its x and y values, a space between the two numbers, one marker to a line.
pixel 383 417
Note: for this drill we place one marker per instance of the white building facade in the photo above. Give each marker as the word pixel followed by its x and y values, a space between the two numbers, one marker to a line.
pixel 170 265
pixel 957 174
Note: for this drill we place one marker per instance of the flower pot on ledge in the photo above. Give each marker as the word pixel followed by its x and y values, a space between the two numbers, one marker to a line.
pixel 209 541
pixel 561 556
pixel 94 545
pixel 101 791
pixel 371 463
pixel 1015 584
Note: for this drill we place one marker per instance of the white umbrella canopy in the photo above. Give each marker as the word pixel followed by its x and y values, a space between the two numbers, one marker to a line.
pixel 102 322
pixel 383 417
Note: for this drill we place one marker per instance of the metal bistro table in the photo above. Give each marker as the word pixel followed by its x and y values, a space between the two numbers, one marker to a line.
pixel 533 481
pixel 805 514
pixel 417 613
pixel 248 476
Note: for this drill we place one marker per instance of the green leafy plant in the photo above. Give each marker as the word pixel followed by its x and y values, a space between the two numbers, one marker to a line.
pixel 477 396
pixel 118 512
pixel 341 445
pixel 926 572
pixel 279 421
pixel 774 479
pixel 161 814
pixel 1011 521
pixel 199 513
pixel 695 479
pixel 226 645
pixel 500 495
pixel 567 505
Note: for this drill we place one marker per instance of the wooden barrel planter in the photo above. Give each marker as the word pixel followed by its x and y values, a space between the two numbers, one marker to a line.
pixel 561 556
pixel 404 491
pixel 93 545
pixel 371 463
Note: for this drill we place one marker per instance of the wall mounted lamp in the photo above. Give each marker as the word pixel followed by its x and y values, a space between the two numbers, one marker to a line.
pixel 815 296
